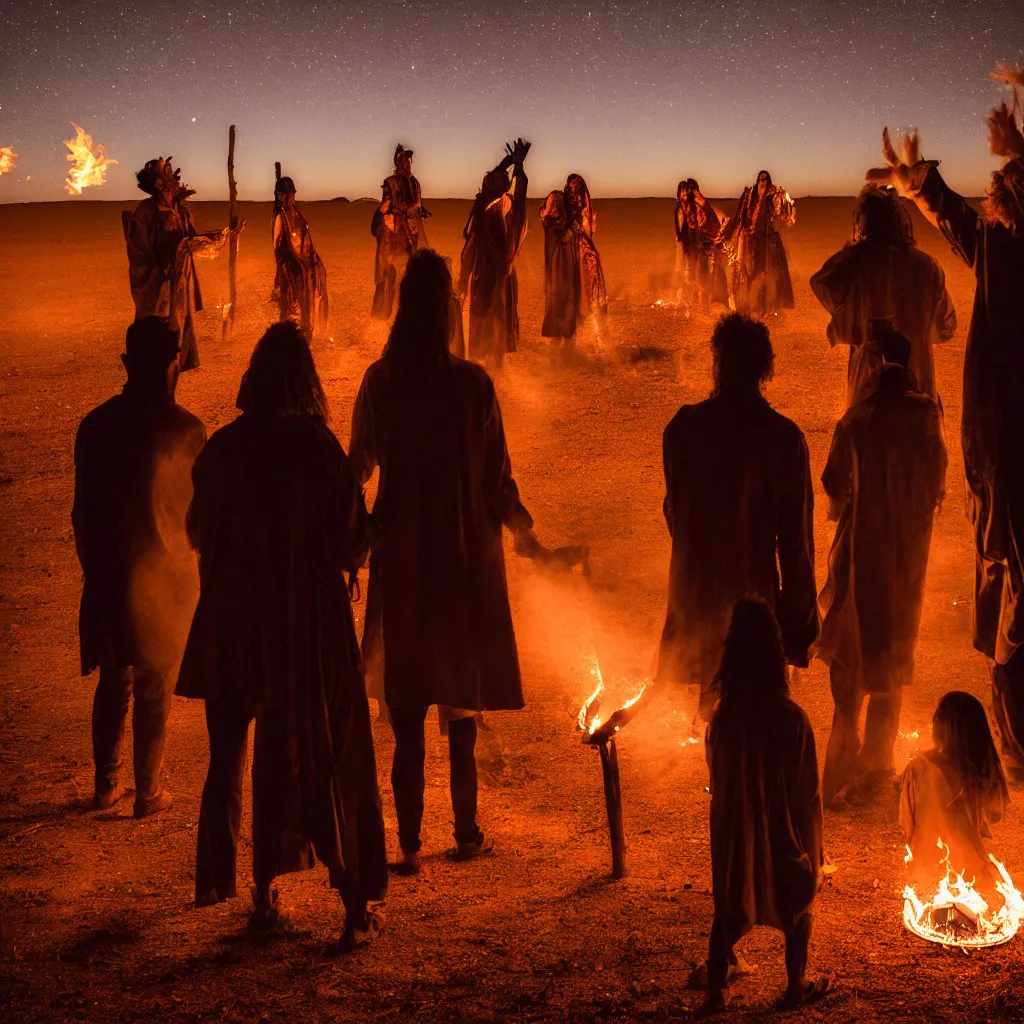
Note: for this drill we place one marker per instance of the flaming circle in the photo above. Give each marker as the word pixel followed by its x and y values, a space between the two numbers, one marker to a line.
pixel 958 915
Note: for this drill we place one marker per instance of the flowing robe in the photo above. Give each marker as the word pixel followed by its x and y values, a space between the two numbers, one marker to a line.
pixel 439 626
pixel 579 211
pixel 162 271
pixel 761 270
pixel 701 253
pixel 885 475
pixel 562 282
pixel 493 235
pixel 865 281
pixel 992 426
pixel 766 820
pixel 133 464
pixel 739 506
pixel 934 805
pixel 300 285
pixel 277 517
pixel 399 231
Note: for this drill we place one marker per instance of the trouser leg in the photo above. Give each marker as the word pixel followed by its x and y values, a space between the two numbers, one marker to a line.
pixel 881 727
pixel 462 765
pixel 220 813
pixel 407 779
pixel 276 850
pixel 720 955
pixel 841 754
pixel 798 940
pixel 1008 707
pixel 109 710
pixel 152 704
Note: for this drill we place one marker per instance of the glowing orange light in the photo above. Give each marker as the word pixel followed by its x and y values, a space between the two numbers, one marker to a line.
pixel 8 159
pixel 88 167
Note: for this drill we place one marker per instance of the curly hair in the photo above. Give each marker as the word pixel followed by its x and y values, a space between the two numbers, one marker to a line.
pixel 881 216
pixel 743 354
pixel 281 379
pixel 1004 200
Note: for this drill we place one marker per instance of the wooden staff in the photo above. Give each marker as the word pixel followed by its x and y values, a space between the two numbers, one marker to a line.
pixel 613 804
pixel 229 320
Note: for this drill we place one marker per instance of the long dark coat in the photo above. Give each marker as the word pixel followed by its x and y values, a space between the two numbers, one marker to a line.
pixel 885 475
pixel 993 415
pixel 766 847
pixel 493 236
pixel 133 464
pixel 562 282
pixel 761 272
pixel 162 270
pixel 739 506
pixel 277 517
pixel 441 613
pixel 865 281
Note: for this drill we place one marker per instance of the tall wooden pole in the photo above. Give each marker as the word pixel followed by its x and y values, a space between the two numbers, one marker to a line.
pixel 613 805
pixel 229 323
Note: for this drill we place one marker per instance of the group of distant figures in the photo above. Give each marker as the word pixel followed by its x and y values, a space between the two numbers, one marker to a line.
pixel 274 507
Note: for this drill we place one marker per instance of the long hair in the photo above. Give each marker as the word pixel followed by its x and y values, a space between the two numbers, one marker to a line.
pixel 962 733
pixel 881 217
pixel 742 354
pixel 420 332
pixel 1004 200
pixel 281 379
pixel 752 672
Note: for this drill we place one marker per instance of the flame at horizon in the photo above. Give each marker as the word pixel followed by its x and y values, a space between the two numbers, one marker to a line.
pixel 89 167
pixel 8 159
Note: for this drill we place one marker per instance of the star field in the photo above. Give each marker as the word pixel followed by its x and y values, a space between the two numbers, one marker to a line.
pixel 633 95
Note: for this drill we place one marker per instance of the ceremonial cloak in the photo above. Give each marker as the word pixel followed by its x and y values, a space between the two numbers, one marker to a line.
pixel 277 518
pixel 400 233
pixel 300 285
pixel 761 270
pixel 562 283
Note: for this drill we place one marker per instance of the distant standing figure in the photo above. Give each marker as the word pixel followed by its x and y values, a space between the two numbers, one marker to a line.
pixel 992 244
pixel 300 285
pixel 882 275
pixel 761 271
pixel 278 518
pixel 579 212
pixel 439 627
pixel 953 792
pixel 398 227
pixel 133 460
pixel 699 227
pixel 562 282
pixel 493 236
pixel 885 475
pixel 766 823
pixel 162 245
pixel 739 506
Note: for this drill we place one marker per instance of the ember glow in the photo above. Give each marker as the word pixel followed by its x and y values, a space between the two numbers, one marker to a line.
pixel 957 914
pixel 587 719
pixel 88 166
pixel 8 159
pixel 598 729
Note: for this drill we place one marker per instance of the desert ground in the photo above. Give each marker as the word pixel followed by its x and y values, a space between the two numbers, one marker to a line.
pixel 96 915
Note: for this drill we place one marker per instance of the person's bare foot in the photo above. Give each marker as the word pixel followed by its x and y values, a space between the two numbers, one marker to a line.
pixel 163 801
pixel 105 799
pixel 408 865
pixel 359 935
pixel 713 1003
pixel 479 846
pixel 810 991
pixel 267 912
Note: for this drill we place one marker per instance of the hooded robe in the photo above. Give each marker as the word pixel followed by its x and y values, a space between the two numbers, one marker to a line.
pixel 300 285
pixel 562 284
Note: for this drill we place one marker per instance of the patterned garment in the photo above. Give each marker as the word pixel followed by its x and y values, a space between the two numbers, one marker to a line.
pixel 300 286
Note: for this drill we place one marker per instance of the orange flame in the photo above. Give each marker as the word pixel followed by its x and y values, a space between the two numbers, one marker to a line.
pixel 929 919
pixel 588 720
pixel 8 159
pixel 88 167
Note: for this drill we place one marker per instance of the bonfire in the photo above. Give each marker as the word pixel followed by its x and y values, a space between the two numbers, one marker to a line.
pixel 601 733
pixel 88 166
pixel 956 914
pixel 8 159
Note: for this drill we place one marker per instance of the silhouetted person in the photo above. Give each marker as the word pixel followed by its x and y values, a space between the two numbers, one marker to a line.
pixel 562 282
pixel 162 244
pixel 133 460
pixel 300 285
pixel 992 244
pixel 438 624
pixel 699 228
pixel 953 792
pixel 882 275
pixel 761 271
pixel 885 475
pixel 766 849
pixel 739 506
pixel 582 219
pixel 278 518
pixel 493 236
pixel 398 227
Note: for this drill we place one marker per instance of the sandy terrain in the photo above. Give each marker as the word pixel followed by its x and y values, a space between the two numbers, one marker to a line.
pixel 96 921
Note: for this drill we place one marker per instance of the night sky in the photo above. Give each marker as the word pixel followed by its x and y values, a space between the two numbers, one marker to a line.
pixel 633 95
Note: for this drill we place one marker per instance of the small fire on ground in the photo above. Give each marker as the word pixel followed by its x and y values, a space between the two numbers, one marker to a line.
pixel 88 166
pixel 956 914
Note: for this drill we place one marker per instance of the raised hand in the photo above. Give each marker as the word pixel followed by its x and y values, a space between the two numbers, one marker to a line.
pixel 519 152
pixel 899 171
pixel 1004 137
